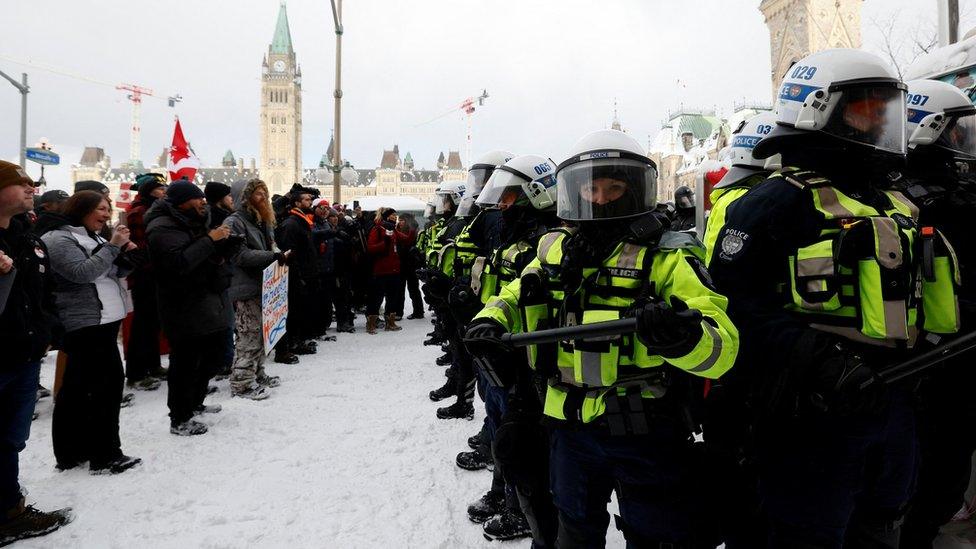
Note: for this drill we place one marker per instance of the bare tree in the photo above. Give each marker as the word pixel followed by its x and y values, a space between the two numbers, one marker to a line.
pixel 902 44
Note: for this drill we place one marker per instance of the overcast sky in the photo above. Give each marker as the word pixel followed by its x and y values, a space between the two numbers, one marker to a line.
pixel 553 69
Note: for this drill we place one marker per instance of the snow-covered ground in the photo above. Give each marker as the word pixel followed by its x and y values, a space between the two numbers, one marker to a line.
pixel 346 453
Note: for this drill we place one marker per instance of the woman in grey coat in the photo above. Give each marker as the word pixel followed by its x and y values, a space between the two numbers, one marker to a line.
pixel 92 299
pixel 254 220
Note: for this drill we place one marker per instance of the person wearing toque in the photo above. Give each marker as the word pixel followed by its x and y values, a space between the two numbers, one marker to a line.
pixel 194 306
pixel 220 201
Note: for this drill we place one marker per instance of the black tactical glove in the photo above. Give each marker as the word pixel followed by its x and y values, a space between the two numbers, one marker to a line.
pixel 834 384
pixel 438 284
pixel 483 339
pixel 669 331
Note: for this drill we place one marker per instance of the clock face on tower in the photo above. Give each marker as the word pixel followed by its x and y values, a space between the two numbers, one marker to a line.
pixel 279 66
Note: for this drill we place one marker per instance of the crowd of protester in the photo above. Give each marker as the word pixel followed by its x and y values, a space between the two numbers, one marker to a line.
pixel 179 273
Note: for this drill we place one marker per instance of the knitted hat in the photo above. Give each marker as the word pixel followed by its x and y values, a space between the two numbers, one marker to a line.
pixel 148 182
pixel 320 202
pixel 12 174
pixel 89 185
pixel 388 213
pixel 181 191
pixel 215 192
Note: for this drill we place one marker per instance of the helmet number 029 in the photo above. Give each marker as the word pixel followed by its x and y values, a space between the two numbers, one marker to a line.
pixel 803 72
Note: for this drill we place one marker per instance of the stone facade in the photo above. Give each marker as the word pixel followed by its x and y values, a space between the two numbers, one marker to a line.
pixel 800 27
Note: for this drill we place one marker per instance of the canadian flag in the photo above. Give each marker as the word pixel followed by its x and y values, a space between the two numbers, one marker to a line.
pixel 182 161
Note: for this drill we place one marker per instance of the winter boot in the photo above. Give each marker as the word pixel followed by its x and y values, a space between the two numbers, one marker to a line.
pixel 128 399
pixel 188 428
pixel 305 348
pixel 346 328
pixel 159 373
pixel 22 522
pixel 391 325
pixel 115 466
pixel 446 391
pixel 42 392
pixel 458 410
pixel 207 409
pixel 434 338
pixel 509 524
pixel 416 315
pixel 256 391
pixel 285 357
pixel 474 460
pixel 444 360
pixel 145 384
pixel 488 506
pixel 269 381
pixel 371 323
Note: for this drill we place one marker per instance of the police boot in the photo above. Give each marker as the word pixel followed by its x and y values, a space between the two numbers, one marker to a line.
pixel 391 325
pixel 24 521
pixel 490 504
pixel 371 323
pixel 434 338
pixel 445 391
pixel 474 460
pixel 459 410
pixel 509 524
pixel 444 360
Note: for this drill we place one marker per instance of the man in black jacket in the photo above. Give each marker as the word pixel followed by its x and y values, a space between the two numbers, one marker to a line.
pixel 294 234
pixel 27 317
pixel 192 276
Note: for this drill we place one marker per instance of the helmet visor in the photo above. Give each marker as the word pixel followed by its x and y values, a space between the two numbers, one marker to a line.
pixel 429 210
pixel 444 204
pixel 467 207
pixel 477 177
pixel 959 136
pixel 871 115
pixel 503 189
pixel 605 188
pixel 685 200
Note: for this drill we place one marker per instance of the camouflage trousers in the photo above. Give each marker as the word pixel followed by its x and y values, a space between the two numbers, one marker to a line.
pixel 249 350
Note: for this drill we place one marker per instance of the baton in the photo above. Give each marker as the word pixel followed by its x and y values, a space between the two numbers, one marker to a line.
pixel 582 331
pixel 925 360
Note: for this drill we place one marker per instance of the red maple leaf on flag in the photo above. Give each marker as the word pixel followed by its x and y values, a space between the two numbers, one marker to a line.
pixel 182 161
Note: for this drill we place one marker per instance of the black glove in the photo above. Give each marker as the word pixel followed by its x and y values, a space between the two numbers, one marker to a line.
pixel 483 339
pixel 438 284
pixel 833 384
pixel 669 331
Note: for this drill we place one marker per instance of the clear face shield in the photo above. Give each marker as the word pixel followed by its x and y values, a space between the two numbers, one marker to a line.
pixel 959 137
pixel 503 190
pixel 685 200
pixel 606 188
pixel 872 115
pixel 429 210
pixel 445 204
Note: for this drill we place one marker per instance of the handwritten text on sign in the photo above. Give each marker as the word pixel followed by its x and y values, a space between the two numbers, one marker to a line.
pixel 274 304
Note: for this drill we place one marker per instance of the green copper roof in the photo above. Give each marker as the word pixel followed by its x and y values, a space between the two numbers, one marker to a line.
pixel 282 35
pixel 699 125
pixel 229 156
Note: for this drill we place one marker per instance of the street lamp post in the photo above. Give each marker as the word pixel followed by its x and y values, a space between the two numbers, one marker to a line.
pixel 337 155
pixel 23 88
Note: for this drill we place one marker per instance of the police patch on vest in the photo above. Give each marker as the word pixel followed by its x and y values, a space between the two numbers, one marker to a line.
pixel 624 273
pixel 732 244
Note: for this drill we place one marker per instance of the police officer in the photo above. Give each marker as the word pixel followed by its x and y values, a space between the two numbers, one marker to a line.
pixel 523 191
pixel 941 131
pixel 477 237
pixel 819 267
pixel 618 406
pixel 684 205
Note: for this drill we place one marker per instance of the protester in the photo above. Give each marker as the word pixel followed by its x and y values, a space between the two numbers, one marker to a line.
pixel 142 360
pixel 411 259
pixel 324 236
pixel 387 284
pixel 92 299
pixel 346 243
pixel 220 201
pixel 47 207
pixel 192 278
pixel 27 318
pixel 254 221
pixel 294 234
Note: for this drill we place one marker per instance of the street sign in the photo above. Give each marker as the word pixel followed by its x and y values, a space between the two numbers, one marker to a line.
pixel 45 158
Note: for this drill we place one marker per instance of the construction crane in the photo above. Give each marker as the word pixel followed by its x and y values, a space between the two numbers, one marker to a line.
pixel 135 137
pixel 468 107
pixel 135 95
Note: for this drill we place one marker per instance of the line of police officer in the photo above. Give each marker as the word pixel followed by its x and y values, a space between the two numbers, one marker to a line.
pixel 835 249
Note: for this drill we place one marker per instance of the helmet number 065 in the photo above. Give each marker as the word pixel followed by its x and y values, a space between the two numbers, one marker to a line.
pixel 801 72
pixel 917 99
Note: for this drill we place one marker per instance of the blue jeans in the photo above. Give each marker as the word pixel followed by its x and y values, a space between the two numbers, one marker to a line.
pixel 18 394
pixel 652 475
